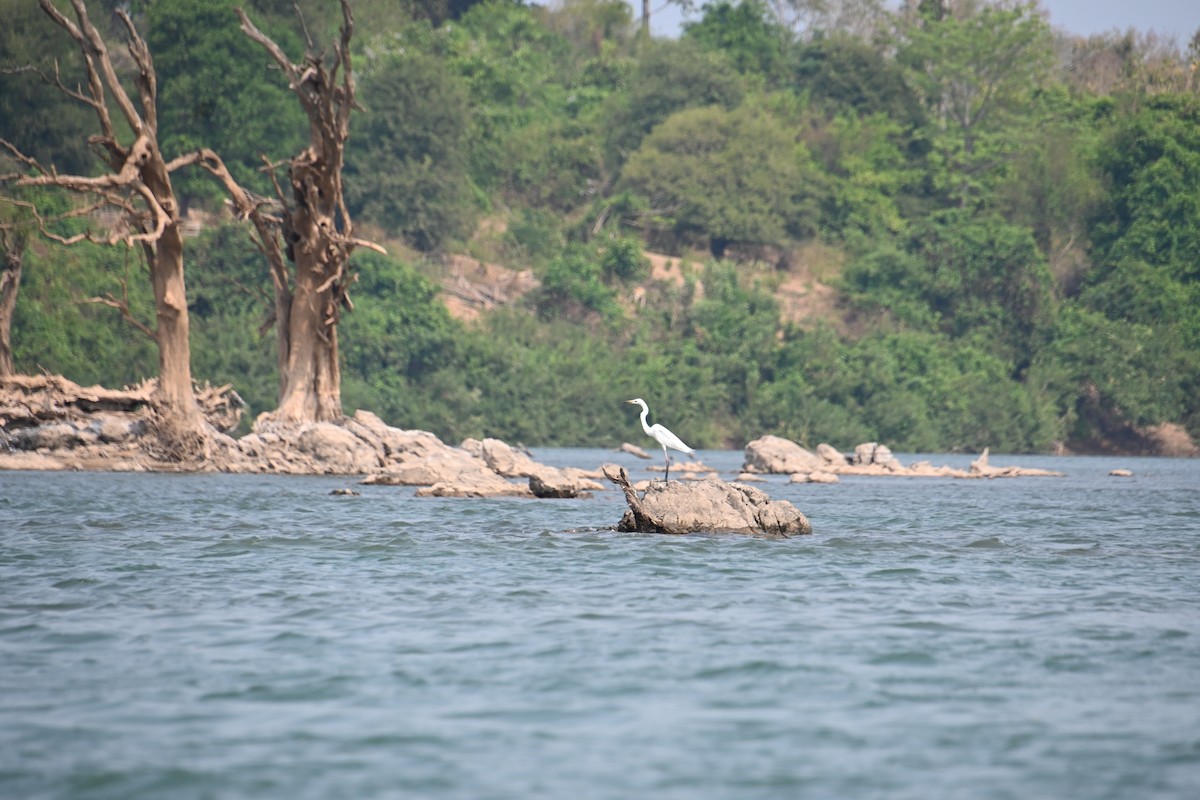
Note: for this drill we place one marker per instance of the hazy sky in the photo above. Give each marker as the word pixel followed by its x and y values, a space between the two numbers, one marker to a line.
pixel 1177 18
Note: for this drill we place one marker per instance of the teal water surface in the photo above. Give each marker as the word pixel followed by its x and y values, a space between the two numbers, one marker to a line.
pixel 214 636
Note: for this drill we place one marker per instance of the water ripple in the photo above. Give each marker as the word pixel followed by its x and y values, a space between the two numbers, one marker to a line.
pixel 239 636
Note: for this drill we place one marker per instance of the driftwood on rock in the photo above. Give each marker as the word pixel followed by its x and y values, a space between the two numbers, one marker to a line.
pixel 706 506
pixel 49 422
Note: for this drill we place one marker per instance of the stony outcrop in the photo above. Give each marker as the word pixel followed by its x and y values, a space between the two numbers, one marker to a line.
pixel 818 476
pixel 831 455
pixel 711 506
pixel 633 450
pixel 776 455
pixel 48 423
pixel 870 453
pixel 981 469
pixel 771 454
pixel 687 470
pixel 556 484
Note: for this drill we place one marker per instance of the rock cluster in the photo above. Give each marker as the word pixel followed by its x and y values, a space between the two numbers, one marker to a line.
pixel 50 423
pixel 47 422
pixel 365 445
pixel 775 455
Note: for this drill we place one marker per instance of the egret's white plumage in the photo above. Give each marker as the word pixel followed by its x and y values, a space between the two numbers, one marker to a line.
pixel 661 435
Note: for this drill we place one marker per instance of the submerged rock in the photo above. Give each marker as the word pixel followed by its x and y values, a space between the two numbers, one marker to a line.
pixel 553 483
pixel 711 506
pixel 981 468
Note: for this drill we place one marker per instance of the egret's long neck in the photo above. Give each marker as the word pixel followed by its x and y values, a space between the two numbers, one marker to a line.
pixel 645 426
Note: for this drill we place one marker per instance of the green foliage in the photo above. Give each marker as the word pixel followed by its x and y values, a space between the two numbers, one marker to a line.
pixel 888 282
pixel 397 341
pixel 918 390
pixel 593 25
pixel 1020 250
pixel 1152 163
pixel 218 89
pixel 1051 185
pixel 869 174
pixel 622 260
pixel 670 76
pixel 963 276
pixel 538 383
pixel 573 284
pixel 975 71
pixel 37 118
pixel 406 164
pixel 983 275
pixel 533 237
pixel 725 176
pixel 230 300
pixel 839 73
pixel 746 33
pixel 56 327
pixel 510 63
pixel 734 327
pixel 553 165
pixel 1108 372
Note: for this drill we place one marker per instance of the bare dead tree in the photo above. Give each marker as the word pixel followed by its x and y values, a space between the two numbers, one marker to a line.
pixel 12 250
pixel 316 230
pixel 138 186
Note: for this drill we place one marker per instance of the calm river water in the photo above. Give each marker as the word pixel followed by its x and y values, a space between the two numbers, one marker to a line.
pixel 166 636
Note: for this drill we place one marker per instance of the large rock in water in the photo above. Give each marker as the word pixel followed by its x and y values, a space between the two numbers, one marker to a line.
pixel 776 455
pixel 337 448
pixel 712 506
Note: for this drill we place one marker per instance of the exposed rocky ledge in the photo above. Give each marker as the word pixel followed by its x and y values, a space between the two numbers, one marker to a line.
pixel 779 456
pixel 50 423
pixel 709 506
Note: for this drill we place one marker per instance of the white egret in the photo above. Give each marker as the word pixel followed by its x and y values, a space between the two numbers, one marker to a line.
pixel 661 435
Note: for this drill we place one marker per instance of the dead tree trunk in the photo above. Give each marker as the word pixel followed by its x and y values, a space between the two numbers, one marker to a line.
pixel 139 186
pixel 13 246
pixel 317 233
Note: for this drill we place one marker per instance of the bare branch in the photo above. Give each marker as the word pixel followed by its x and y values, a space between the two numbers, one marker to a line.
pixel 147 82
pixel 356 242
pixel 303 25
pixel 123 307
pixel 347 101
pixel 30 162
pixel 43 223
pixel 269 45
pixel 97 61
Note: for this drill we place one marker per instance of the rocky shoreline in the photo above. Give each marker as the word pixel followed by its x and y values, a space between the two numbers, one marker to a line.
pixel 778 456
pixel 50 423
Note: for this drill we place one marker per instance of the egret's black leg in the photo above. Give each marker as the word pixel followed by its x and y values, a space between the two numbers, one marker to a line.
pixel 667 461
